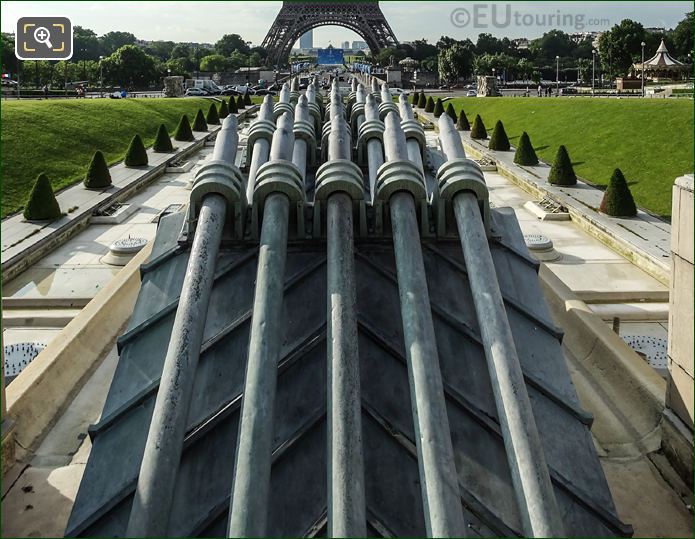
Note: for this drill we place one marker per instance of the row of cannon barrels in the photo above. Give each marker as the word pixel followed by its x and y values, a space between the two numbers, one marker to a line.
pixel 391 143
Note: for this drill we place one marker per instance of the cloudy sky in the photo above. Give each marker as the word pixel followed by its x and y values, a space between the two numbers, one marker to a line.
pixel 203 21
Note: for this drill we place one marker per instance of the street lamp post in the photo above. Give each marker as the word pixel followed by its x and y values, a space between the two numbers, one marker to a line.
pixel 101 77
pixel 642 66
pixel 557 75
pixel 593 73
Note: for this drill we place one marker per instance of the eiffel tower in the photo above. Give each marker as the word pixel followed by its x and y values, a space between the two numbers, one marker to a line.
pixel 295 18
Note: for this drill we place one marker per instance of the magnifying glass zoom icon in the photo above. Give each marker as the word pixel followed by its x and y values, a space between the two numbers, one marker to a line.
pixel 43 36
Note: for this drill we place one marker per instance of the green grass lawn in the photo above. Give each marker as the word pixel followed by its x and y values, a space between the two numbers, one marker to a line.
pixel 650 140
pixel 59 137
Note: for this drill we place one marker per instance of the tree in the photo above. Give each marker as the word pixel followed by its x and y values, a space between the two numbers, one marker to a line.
pixel 462 124
pixel 179 66
pixel 237 60
pixel 98 175
pixel 162 144
pixel 478 131
pixel 233 107
pixel 525 154
pixel 130 65
pixel 224 110
pixel 621 45
pixel 212 117
pixel 422 50
pixel 455 62
pixel 9 60
pixel 85 44
pixel 499 140
pixel 136 156
pixel 229 43
pixel 551 44
pixel 617 200
pixel 160 49
pixel 183 131
pixel 214 62
pixel 429 107
pixel 438 108
pixel 422 101
pixel 682 38
pixel 383 57
pixel 451 113
pixel 112 41
pixel 42 204
pixel 180 50
pixel 524 69
pixel 562 172
pixel 489 44
pixel 199 123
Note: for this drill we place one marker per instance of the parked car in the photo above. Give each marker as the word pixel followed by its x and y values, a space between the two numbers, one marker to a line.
pixel 195 92
pixel 264 91
pixel 230 91
pixel 399 91
pixel 471 93
pixel 569 90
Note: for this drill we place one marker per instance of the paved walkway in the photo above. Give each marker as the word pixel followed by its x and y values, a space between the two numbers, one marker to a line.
pixel 645 240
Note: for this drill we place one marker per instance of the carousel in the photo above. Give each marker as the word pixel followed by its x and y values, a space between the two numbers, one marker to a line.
pixel 661 66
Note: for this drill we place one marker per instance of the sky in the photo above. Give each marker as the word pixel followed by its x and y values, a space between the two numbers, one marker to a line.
pixel 206 22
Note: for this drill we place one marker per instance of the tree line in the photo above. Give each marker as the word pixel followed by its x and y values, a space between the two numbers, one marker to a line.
pixel 119 59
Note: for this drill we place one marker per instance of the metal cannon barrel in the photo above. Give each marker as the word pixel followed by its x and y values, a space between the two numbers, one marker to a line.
pixel 160 463
pixel 399 180
pixel 534 491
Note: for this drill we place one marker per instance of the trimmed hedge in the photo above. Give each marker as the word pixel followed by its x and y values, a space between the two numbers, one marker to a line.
pixel 98 175
pixel 240 102
pixel 247 99
pixel 136 155
pixel 212 118
pixel 499 140
pixel 224 110
pixel 42 204
pixel 199 123
pixel 233 108
pixel 562 172
pixel 617 200
pixel 451 112
pixel 430 105
pixel 416 99
pixel 462 124
pixel 525 154
pixel 162 144
pixel 478 132
pixel 422 101
pixel 183 131
pixel 438 108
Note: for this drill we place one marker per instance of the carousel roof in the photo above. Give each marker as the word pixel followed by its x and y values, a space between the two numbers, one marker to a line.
pixel 661 60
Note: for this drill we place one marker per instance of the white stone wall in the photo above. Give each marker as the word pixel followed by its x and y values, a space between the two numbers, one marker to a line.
pixel 679 395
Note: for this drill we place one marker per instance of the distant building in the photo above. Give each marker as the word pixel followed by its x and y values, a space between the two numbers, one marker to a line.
pixel 307 40
pixel 346 45
pixel 579 37
pixel 655 30
pixel 520 43
pixel 359 45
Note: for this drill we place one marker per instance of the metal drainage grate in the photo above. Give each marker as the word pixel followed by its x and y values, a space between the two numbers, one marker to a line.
pixel 653 349
pixel 18 356
pixel 109 210
pixel 551 206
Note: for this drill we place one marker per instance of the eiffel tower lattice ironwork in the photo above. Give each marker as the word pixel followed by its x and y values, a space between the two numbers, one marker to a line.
pixel 295 18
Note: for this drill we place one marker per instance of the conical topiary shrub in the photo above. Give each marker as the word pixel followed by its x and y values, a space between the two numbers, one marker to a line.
pixel 499 140
pixel 478 131
pixel 233 109
pixel 451 112
pixel 247 99
pixel 224 110
pixel 42 204
pixel 183 131
pixel 438 108
pixel 617 200
pixel 462 123
pixel 422 101
pixel 430 105
pixel 240 102
pixel 136 156
pixel 98 175
pixel 416 98
pixel 199 123
pixel 162 143
pixel 212 118
pixel 562 172
pixel 525 154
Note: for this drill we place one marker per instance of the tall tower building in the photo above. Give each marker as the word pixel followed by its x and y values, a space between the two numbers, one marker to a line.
pixel 307 40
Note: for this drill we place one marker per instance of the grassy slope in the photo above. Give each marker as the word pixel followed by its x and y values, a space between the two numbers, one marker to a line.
pixel 650 140
pixel 59 137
